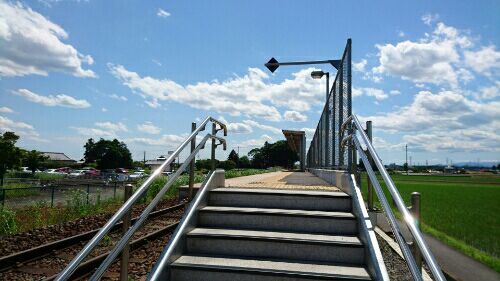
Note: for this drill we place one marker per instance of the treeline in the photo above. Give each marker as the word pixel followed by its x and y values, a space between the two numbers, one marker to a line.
pixel 269 155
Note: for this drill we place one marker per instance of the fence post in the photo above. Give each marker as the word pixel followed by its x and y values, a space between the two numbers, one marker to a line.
pixel 214 131
pixel 191 165
pixel 52 197
pixel 370 184
pixel 2 197
pixel 126 225
pixel 88 192
pixel 415 212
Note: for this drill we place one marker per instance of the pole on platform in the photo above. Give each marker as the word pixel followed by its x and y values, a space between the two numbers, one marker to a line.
pixel 126 225
pixel 415 212
pixel 192 164
pixel 370 184
pixel 214 131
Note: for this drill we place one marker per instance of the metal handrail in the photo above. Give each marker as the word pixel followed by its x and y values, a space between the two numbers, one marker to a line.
pixel 159 267
pixel 407 217
pixel 127 206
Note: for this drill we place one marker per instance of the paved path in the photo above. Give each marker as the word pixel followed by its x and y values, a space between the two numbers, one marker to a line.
pixel 282 180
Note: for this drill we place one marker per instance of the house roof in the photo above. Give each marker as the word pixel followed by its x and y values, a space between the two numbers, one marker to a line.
pixel 57 156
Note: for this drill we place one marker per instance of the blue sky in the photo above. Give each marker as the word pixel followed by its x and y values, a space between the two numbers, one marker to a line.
pixel 426 72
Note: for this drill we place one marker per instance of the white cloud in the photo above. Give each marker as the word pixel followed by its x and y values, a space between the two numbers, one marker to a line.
pixel 31 44
pixel 5 109
pixel 22 129
pixel 444 121
pixel 491 92
pixel 50 100
pixel 113 127
pixel 251 95
pixel 162 13
pixel 295 116
pixel 103 129
pixel 148 128
pixel 378 94
pixel 268 128
pixel 395 92
pixel 156 62
pixel 428 19
pixel 104 109
pixel 433 59
pixel 117 97
pixel 239 128
pixel 483 60
pixel 164 140
pixel 256 142
pixel 401 34
pixel 359 66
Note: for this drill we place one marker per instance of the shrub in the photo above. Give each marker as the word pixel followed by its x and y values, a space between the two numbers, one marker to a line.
pixel 8 223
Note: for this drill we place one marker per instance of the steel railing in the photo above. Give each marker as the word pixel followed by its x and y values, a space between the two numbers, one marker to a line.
pixel 127 206
pixel 353 125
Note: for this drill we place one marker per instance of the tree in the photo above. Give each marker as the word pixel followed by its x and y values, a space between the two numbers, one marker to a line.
pixel 10 154
pixel 275 154
pixel 233 156
pixel 107 154
pixel 244 162
pixel 33 159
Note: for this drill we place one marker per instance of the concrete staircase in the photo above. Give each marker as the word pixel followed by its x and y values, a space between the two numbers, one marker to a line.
pixel 269 234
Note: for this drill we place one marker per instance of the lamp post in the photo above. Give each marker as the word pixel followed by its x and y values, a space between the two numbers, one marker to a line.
pixel 318 75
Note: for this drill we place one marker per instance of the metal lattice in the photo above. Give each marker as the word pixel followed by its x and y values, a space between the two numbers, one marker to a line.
pixel 325 151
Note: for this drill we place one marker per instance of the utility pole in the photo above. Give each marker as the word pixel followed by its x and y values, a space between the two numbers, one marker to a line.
pixel 406 147
pixel 144 161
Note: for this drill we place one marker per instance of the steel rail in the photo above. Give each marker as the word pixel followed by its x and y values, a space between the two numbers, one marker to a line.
pixel 128 235
pixel 70 268
pixel 162 262
pixel 407 217
pixel 7 262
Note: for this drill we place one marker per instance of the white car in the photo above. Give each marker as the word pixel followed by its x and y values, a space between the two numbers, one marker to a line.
pixel 136 175
pixel 76 173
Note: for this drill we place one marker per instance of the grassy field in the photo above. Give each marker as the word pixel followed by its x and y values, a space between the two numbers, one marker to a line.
pixel 462 211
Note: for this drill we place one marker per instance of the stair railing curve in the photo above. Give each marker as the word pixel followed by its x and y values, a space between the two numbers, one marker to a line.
pixel 127 206
pixel 353 123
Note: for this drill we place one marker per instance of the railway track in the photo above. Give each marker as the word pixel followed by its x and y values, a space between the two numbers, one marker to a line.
pixel 45 261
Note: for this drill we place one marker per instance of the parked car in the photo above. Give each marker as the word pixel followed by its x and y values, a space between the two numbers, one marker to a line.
pixel 91 172
pixel 77 174
pixel 136 175
pixel 121 171
pixel 64 170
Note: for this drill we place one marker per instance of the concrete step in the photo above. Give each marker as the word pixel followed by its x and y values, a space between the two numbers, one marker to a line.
pixel 275 245
pixel 200 268
pixel 270 219
pixel 279 198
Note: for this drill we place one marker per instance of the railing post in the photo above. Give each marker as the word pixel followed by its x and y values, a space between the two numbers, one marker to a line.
pixel 370 184
pixel 52 197
pixel 126 225
pixel 415 212
pixel 214 131
pixel 192 164
pixel 88 192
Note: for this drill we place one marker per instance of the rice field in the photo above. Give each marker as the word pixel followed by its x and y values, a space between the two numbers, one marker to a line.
pixel 462 211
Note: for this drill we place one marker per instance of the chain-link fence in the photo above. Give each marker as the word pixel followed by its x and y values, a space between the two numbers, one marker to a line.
pixel 62 195
pixel 325 150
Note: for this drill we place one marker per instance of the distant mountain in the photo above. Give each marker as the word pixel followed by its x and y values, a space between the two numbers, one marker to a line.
pixel 476 164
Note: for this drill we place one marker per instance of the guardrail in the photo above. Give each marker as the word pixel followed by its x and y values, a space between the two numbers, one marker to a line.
pixel 352 125
pixel 127 206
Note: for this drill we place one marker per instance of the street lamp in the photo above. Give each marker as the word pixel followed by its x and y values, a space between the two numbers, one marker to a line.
pixel 318 74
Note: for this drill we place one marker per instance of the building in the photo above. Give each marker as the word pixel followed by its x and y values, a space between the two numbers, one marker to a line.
pixel 58 159
pixel 155 164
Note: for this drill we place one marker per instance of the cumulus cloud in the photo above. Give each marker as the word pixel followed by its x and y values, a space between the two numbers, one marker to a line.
pixel 102 129
pixel 31 44
pixel 165 140
pixel 20 128
pixel 491 92
pixel 264 127
pixel 5 109
pixel 446 120
pixel 52 100
pixel 251 95
pixel 359 66
pixel 378 94
pixel 162 13
pixel 255 142
pixel 295 116
pixel 484 60
pixel 148 128
pixel 435 58
pixel 117 97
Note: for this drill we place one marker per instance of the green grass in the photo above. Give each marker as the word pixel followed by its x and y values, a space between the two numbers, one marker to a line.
pixel 16 190
pixel 461 211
